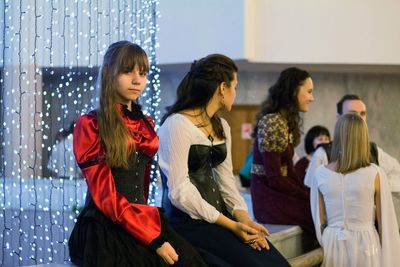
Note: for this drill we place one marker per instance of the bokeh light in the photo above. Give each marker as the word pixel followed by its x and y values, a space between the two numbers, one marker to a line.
pixel 50 52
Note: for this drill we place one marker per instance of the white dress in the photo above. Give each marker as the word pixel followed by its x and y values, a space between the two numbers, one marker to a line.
pixel 389 165
pixel 351 239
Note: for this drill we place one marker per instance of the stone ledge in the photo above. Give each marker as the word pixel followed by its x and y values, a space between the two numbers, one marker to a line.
pixel 300 248
pixel 312 258
pixel 281 232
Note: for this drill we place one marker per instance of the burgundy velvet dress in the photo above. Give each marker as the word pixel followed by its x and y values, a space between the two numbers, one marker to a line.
pixel 301 168
pixel 278 195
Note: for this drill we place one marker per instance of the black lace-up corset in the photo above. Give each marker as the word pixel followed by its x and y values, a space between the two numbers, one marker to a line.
pixel 129 182
pixel 202 160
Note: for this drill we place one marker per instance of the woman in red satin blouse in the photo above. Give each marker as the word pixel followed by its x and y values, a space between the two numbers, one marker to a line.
pixel 278 195
pixel 114 146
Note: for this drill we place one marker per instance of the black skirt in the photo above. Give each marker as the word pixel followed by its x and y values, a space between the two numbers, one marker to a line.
pixel 220 247
pixel 98 241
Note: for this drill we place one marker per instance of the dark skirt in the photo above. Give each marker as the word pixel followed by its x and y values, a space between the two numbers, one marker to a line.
pixel 220 247
pixel 274 207
pixel 97 241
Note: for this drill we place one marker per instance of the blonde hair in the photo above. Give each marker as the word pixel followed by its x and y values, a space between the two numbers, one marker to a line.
pixel 121 57
pixel 351 148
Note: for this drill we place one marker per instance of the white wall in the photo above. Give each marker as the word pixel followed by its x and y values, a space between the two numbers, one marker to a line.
pixel 281 31
pixel 190 29
pixel 322 31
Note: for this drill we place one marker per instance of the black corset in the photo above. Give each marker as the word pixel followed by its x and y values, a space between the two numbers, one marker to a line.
pixel 202 160
pixel 129 182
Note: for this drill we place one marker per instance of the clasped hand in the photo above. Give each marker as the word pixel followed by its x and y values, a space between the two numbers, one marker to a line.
pixel 252 233
pixel 167 253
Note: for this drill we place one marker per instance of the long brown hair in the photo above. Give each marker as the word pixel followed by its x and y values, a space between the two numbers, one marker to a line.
pixel 282 98
pixel 121 57
pixel 200 83
pixel 350 148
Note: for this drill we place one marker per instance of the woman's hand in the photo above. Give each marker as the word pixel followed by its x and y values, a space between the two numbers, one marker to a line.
pixel 245 232
pixel 260 242
pixel 245 229
pixel 167 253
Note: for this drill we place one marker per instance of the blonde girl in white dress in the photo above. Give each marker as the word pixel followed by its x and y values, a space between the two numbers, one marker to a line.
pixel 351 204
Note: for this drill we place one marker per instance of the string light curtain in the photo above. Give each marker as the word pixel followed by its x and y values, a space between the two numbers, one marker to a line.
pixel 50 52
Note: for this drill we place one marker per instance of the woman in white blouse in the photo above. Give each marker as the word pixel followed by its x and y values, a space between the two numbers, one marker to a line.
pixel 200 196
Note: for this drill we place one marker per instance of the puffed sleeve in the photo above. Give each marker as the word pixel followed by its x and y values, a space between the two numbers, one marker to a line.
pixel 314 204
pixel 390 228
pixel 141 221
pixel 319 158
pixel 274 133
pixel 226 179
pixel 391 167
pixel 273 140
pixel 175 141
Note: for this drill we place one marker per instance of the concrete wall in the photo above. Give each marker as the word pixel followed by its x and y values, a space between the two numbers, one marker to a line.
pixel 381 93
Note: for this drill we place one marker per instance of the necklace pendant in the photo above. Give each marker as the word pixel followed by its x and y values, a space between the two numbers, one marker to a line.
pixel 210 138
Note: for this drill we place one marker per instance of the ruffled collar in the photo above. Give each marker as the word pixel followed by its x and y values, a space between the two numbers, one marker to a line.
pixel 137 122
pixel 134 114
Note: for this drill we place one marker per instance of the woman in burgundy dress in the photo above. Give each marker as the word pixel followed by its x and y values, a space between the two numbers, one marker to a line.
pixel 278 195
pixel 114 147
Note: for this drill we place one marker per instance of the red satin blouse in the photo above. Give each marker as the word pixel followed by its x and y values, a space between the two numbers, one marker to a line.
pixel 141 221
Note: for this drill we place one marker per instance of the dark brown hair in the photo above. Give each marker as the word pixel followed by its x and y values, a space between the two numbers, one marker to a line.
pixel 282 98
pixel 199 85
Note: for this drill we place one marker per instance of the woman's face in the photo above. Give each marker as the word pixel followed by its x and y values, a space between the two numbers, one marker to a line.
pixel 322 139
pixel 230 93
pixel 305 95
pixel 130 85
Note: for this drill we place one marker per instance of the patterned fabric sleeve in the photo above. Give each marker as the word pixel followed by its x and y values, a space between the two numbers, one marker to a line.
pixel 273 133
pixel 273 140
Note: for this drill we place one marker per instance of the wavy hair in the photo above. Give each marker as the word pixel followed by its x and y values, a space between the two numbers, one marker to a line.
pixel 199 85
pixel 282 98
pixel 121 57
pixel 350 148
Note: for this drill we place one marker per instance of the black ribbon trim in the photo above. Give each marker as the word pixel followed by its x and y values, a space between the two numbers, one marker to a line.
pixel 89 163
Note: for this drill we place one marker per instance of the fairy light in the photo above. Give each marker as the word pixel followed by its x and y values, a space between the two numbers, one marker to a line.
pixel 152 93
pixel 50 54
pixel 3 45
